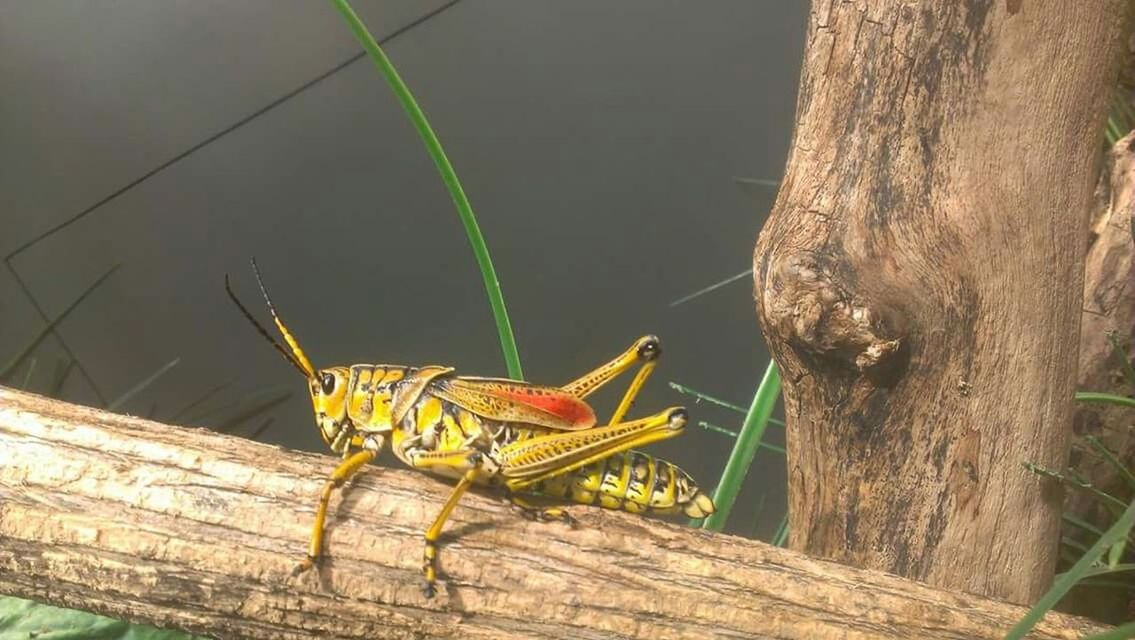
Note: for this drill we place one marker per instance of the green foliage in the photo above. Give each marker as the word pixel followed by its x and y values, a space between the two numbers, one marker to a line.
pixel 1081 569
pixel 1108 398
pixel 748 440
pixel 32 344
pixel 28 620
pixel 449 176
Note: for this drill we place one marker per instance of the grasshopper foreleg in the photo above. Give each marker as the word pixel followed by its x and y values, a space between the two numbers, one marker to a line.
pixel 342 473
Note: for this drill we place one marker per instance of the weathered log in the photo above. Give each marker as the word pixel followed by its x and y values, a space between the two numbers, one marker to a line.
pixel 919 280
pixel 190 529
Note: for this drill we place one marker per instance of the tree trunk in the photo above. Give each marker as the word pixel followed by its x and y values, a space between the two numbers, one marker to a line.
pixel 199 531
pixel 919 280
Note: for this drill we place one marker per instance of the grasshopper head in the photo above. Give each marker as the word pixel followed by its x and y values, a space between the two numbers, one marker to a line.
pixel 328 387
pixel 329 400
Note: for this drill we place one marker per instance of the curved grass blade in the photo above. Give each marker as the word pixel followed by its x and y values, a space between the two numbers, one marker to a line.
pixel 781 535
pixel 745 448
pixel 143 385
pixel 449 176
pixel 1075 521
pixel 46 331
pixel 1108 398
pixel 252 412
pixel 199 400
pixel 28 375
pixel 1119 467
pixel 1068 579
pixel 63 369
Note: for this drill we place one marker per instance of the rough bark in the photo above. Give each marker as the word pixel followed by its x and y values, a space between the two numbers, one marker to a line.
pixel 199 531
pixel 919 280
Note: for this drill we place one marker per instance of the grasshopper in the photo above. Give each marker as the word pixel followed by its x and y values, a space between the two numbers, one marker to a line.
pixel 532 441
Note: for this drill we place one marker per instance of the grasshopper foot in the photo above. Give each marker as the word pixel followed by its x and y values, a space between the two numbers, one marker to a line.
pixel 429 590
pixel 542 514
pixel 305 565
pixel 551 514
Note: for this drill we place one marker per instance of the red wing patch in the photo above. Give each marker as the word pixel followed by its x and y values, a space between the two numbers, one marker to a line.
pixel 510 401
pixel 558 403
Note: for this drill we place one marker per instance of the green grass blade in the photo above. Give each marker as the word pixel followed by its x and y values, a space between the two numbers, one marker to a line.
pixel 1122 469
pixel 28 375
pixel 713 287
pixel 199 400
pixel 449 177
pixel 1109 584
pixel 708 398
pixel 261 428
pixel 752 431
pixel 717 401
pixel 1122 632
pixel 781 536
pixel 1108 398
pixel 1120 354
pixel 1112 134
pixel 1074 544
pixel 709 426
pixel 757 187
pixel 1128 114
pixel 252 412
pixel 63 369
pixel 1106 498
pixel 1076 521
pixel 143 385
pixel 757 515
pixel 1068 579
pixel 46 331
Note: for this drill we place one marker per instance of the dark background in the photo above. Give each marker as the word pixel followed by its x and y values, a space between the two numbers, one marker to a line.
pixel 598 142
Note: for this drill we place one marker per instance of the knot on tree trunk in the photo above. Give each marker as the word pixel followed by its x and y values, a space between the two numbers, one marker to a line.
pixel 811 307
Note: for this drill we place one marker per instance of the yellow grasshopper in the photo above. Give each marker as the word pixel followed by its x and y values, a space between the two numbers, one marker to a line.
pixel 529 440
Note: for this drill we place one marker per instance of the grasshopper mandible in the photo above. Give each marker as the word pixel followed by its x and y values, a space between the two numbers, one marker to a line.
pixel 529 440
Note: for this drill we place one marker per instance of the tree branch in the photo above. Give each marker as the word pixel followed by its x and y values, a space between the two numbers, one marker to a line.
pixel 190 529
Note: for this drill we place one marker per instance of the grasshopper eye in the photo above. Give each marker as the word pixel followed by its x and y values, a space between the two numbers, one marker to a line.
pixel 327 383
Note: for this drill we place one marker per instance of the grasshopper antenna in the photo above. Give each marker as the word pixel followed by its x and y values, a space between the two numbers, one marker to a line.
pixel 300 357
pixel 264 332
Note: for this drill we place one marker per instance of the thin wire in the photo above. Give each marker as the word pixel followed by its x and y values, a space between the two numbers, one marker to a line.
pixel 174 160
pixel 223 132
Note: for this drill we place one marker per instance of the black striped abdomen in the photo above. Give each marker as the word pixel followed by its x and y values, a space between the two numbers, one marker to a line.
pixel 630 481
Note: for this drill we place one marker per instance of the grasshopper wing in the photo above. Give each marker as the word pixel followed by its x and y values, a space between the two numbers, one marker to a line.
pixel 512 401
